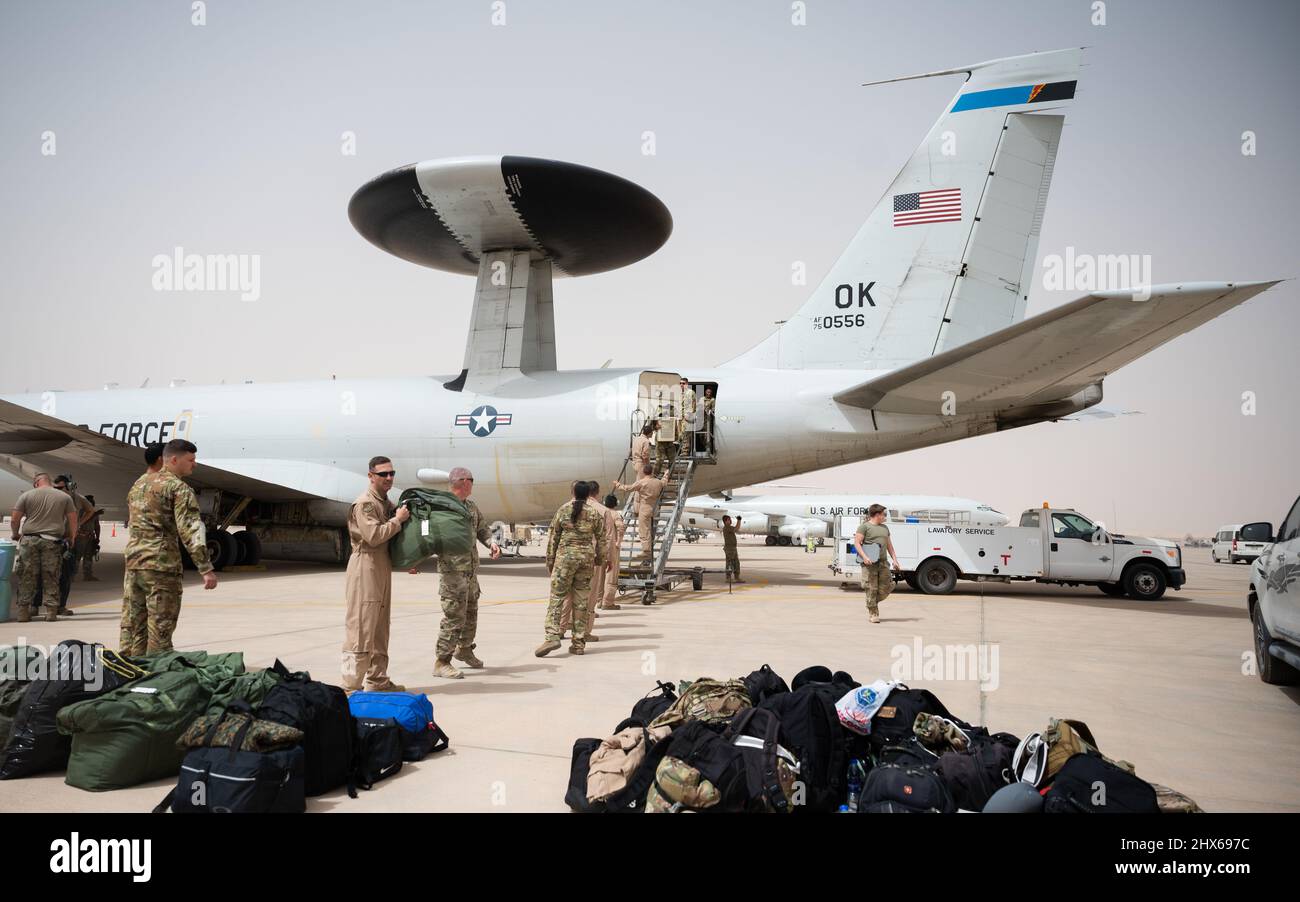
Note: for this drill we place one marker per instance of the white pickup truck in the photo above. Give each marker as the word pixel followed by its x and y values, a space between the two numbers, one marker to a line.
pixel 1051 545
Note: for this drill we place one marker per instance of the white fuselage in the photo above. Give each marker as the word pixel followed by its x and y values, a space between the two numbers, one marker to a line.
pixel 316 437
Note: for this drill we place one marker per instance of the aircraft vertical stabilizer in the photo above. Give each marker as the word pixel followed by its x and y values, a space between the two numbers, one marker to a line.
pixel 948 253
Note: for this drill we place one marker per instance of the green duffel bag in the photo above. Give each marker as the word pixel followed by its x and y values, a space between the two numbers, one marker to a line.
pixel 251 687
pixel 128 736
pixel 439 524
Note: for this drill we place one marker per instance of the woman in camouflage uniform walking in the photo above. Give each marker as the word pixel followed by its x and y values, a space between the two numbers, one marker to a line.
pixel 576 547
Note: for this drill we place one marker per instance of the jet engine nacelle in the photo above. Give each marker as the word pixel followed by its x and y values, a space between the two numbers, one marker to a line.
pixel 800 530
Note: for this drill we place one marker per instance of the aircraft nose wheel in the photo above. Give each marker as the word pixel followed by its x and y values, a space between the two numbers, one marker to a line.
pixel 648 596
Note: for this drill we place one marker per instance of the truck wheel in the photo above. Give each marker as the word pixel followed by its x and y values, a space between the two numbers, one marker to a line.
pixel 770 540
pixel 697 579
pixel 1145 582
pixel 936 577
pixel 786 541
pixel 1114 590
pixel 1271 670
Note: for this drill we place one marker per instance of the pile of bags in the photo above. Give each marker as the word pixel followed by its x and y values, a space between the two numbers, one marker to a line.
pixel 235 741
pixel 826 743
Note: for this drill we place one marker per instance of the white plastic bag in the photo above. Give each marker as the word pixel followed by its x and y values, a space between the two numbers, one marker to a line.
pixel 858 706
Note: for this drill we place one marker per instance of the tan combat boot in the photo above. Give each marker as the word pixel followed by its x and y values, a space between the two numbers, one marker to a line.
pixel 51 616
pixel 466 656
pixel 576 650
pixel 443 667
pixel 875 618
pixel 24 614
pixel 547 647
pixel 390 686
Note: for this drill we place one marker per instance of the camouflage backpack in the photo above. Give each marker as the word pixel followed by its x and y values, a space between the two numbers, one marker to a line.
pixel 709 700
pixel 742 769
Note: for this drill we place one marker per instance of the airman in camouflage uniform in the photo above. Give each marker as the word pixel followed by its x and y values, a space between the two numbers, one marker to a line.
pixel 42 522
pixel 164 512
pixel 458 587
pixel 576 546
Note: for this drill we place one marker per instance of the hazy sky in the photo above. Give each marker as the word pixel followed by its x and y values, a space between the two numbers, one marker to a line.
pixel 226 138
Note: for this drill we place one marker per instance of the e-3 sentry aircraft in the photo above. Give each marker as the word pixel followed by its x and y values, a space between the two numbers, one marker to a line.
pixel 916 336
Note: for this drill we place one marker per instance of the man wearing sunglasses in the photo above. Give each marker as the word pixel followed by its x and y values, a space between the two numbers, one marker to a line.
pixel 372 521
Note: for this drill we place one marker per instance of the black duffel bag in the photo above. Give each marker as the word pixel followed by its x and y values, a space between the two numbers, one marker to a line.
pixel 1089 784
pixel 237 781
pixel 974 775
pixel 378 750
pixel 576 794
pixel 321 712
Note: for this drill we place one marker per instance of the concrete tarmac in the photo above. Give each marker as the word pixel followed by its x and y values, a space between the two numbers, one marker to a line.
pixel 1166 685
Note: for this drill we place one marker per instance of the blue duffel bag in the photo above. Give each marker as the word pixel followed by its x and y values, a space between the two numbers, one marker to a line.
pixel 413 713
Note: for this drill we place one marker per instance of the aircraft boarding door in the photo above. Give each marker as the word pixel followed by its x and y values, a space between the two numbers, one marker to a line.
pixel 704 441
pixel 654 400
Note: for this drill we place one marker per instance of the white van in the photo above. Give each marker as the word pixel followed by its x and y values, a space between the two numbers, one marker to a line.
pixel 1229 547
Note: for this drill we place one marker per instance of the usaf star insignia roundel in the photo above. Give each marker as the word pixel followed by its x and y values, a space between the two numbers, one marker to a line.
pixel 483 420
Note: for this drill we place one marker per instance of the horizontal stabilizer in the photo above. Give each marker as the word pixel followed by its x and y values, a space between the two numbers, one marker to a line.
pixel 1053 357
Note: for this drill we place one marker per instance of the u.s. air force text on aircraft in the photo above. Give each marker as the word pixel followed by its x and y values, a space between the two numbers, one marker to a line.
pixel 136 433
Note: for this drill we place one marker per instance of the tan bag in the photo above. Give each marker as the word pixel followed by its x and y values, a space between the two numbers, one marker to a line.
pixel 617 758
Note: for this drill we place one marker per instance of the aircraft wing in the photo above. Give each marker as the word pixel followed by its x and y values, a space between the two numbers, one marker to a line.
pixel 32 442
pixel 1035 368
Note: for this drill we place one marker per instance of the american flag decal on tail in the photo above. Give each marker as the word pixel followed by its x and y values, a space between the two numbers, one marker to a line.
pixel 922 207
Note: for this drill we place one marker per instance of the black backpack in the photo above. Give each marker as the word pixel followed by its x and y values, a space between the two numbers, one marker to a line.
pixel 321 712
pixel 813 732
pixel 1085 777
pixel 908 752
pixel 378 750
pixel 974 775
pixel 237 781
pixel 740 761
pixel 764 683
pixel 895 789
pixel 652 705
pixel 892 724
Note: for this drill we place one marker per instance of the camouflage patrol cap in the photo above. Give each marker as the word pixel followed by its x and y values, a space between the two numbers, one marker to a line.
pixel 459 473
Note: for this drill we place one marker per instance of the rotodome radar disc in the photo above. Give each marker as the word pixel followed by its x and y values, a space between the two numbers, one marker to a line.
pixel 446 214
